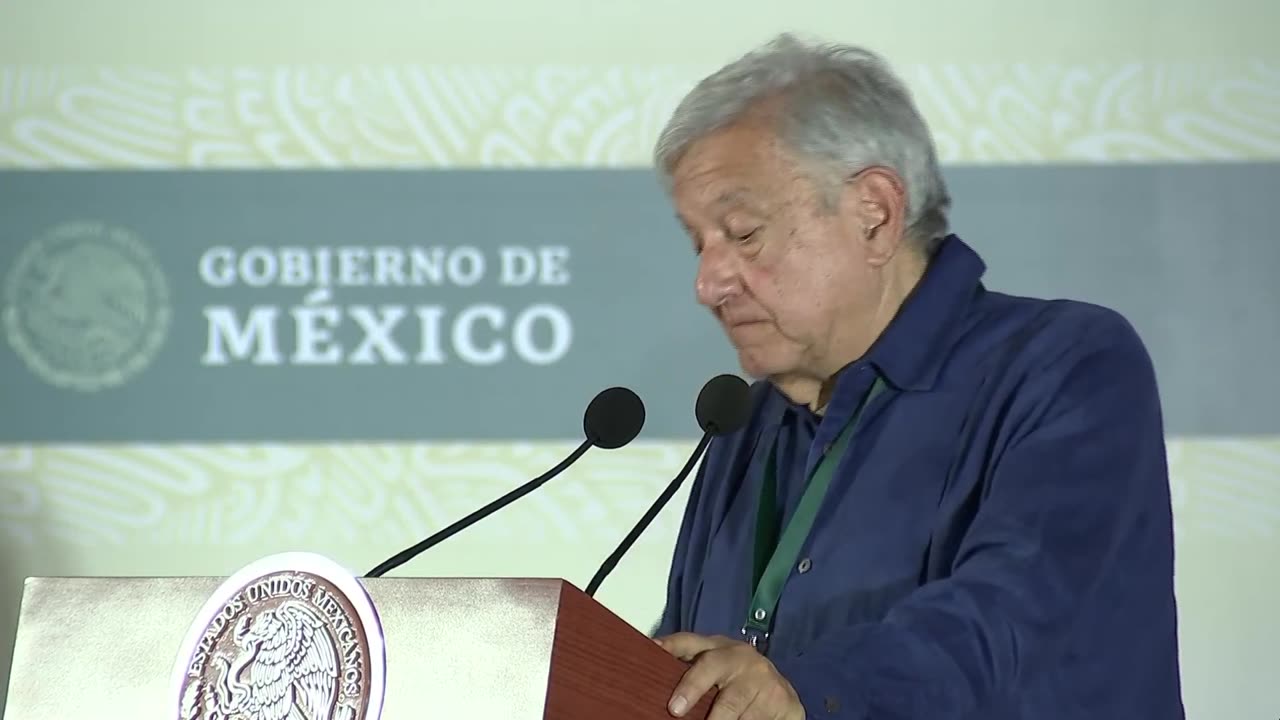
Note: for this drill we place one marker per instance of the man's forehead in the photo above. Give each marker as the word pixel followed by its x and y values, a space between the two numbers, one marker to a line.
pixel 731 167
pixel 719 181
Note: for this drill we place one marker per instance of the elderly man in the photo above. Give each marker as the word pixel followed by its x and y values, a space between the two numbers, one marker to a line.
pixel 949 502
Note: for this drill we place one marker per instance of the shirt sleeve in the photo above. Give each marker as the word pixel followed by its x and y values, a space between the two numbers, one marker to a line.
pixel 672 613
pixel 1085 461
pixel 692 540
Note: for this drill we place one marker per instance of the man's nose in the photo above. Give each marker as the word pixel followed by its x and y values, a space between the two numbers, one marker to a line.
pixel 717 280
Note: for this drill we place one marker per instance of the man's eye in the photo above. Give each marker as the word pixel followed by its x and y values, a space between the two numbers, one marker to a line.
pixel 747 237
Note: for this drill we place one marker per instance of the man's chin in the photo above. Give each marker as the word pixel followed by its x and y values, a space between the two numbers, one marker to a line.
pixel 758 365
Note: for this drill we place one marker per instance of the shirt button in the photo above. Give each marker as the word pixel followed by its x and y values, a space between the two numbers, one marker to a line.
pixel 760 614
pixel 805 564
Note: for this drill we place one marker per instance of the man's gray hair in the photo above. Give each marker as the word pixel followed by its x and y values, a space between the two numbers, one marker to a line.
pixel 841 109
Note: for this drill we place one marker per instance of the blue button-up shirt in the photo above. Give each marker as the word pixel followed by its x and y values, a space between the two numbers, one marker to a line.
pixel 997 542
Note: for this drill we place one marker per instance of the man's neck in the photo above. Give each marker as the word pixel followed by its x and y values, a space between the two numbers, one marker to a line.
pixel 810 390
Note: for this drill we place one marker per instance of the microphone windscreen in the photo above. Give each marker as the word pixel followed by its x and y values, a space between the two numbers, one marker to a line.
pixel 723 405
pixel 613 418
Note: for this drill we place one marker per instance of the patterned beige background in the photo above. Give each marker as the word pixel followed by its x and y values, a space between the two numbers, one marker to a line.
pixel 326 116
pixel 152 84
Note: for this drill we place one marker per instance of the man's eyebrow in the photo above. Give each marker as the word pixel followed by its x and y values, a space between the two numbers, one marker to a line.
pixel 734 196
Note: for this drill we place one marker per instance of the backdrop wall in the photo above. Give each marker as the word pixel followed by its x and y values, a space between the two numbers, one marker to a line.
pixel 249 352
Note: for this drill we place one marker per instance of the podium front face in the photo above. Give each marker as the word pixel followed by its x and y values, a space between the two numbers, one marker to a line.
pixel 105 648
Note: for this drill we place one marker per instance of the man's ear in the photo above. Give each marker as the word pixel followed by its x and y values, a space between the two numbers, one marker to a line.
pixel 875 203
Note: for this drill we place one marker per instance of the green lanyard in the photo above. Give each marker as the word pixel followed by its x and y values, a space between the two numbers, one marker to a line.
pixel 775 557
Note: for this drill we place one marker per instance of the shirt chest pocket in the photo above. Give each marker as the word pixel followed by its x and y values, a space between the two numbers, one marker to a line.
pixel 869 547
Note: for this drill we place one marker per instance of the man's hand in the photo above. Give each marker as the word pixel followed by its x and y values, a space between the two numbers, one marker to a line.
pixel 750 687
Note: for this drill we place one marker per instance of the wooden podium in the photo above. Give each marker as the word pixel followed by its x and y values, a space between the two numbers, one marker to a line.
pixel 505 649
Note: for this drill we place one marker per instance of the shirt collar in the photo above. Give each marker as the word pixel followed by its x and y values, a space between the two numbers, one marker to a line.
pixel 912 349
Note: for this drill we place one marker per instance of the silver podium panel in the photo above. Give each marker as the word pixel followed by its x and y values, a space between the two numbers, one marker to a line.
pixel 111 648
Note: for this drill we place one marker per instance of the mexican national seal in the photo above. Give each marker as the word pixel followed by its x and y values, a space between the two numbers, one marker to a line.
pixel 86 306
pixel 290 636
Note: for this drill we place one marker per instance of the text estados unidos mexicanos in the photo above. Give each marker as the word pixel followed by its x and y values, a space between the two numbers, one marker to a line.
pixel 325 333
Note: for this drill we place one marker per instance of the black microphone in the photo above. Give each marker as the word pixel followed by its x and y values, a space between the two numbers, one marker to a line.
pixel 613 419
pixel 723 406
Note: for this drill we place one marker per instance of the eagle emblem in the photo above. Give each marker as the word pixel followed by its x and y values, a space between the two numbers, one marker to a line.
pixel 285 645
